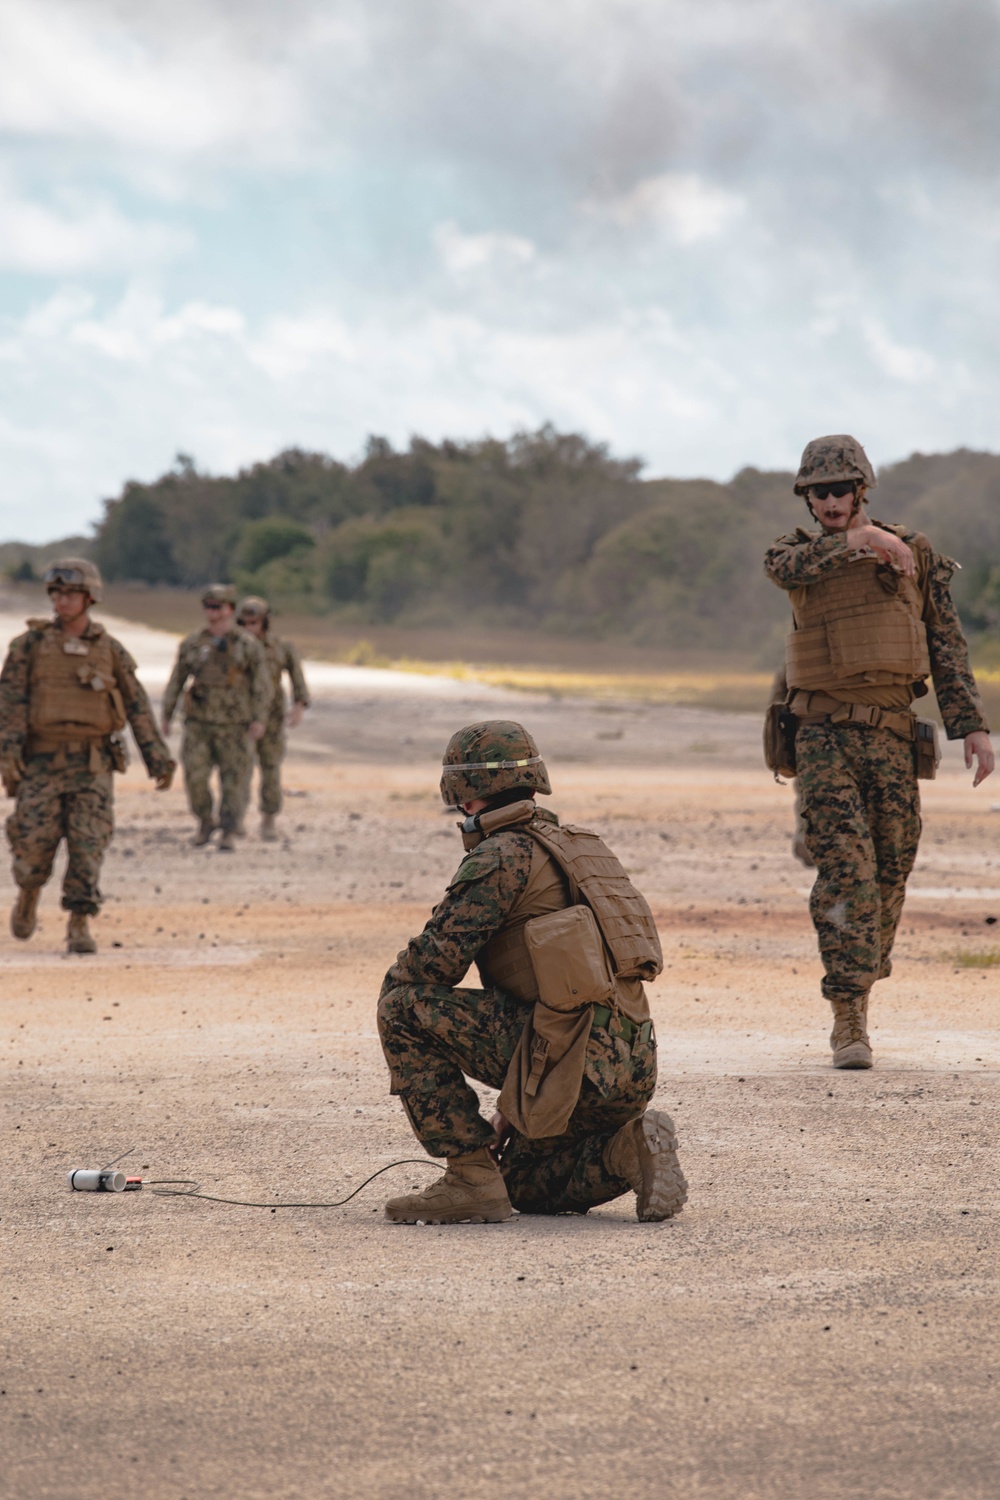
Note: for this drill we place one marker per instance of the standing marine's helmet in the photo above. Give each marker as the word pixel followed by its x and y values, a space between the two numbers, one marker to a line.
pixel 485 759
pixel 827 459
pixel 253 607
pixel 219 593
pixel 75 573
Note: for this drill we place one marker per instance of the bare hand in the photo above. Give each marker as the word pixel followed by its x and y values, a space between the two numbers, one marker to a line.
pixel 165 726
pixel 502 1127
pixel 256 730
pixel 979 747
pixel 886 545
pixel 295 716
pixel 164 779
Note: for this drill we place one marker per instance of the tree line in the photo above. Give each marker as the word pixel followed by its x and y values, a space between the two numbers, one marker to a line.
pixel 546 530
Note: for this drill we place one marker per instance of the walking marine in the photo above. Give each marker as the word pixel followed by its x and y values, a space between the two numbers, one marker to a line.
pixel 255 617
pixel 67 690
pixel 873 618
pixel 225 709
pixel 562 941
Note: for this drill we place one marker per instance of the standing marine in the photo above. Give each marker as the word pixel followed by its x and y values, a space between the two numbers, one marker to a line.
pixel 225 710
pixel 873 619
pixel 562 941
pixel 254 615
pixel 67 690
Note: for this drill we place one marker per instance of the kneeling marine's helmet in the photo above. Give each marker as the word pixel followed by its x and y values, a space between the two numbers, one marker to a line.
pixel 75 573
pixel 485 759
pixel 828 459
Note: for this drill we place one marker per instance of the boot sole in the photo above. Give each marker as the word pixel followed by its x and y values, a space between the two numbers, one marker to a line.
pixel 664 1187
pixel 486 1215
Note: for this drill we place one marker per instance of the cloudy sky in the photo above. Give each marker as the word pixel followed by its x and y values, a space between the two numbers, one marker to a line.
pixel 700 230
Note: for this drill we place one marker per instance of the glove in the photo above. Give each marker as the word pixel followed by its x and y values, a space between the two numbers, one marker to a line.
pixel 11 773
pixel 165 778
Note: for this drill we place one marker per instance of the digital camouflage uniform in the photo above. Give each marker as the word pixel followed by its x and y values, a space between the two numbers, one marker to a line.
pixel 66 792
pixel 230 689
pixel 434 1033
pixel 269 750
pixel 858 783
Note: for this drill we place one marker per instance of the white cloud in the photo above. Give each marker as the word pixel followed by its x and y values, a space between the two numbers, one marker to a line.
pixel 686 206
pixel 471 252
pixel 80 235
pixel 897 360
pixel 75 70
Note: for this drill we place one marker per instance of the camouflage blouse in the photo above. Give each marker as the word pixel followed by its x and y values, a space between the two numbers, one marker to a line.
pixel 229 678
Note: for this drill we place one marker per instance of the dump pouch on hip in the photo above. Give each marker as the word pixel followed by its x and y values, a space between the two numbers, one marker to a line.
pixel 545 1075
pixel 927 748
pixel 573 974
pixel 780 726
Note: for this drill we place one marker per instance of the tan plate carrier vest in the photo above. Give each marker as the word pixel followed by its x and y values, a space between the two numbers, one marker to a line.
pixel 73 692
pixel 860 626
pixel 579 935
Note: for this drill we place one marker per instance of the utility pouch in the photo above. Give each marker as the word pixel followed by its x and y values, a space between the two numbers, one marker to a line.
pixel 927 748
pixel 780 726
pixel 118 752
pixel 569 959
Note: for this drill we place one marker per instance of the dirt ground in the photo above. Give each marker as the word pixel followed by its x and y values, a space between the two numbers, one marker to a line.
pixel 819 1322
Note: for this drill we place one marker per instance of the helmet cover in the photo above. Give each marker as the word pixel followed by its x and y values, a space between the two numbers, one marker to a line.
pixel 485 759
pixel 219 593
pixel 828 459
pixel 253 607
pixel 75 573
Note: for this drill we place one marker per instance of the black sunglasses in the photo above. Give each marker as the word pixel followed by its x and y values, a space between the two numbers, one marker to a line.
pixel 839 490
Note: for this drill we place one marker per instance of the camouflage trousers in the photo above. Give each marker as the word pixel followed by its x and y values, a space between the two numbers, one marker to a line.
pixel 268 752
pixel 861 807
pixel 434 1036
pixel 204 746
pixel 71 803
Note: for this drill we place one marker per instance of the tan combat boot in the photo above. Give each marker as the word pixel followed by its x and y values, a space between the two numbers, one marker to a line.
pixel 78 938
pixel 644 1152
pixel 471 1191
pixel 849 1037
pixel 205 830
pixel 268 832
pixel 25 912
pixel 227 843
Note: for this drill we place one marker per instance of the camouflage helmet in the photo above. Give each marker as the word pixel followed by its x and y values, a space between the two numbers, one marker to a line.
pixel 485 759
pixel 828 459
pixel 254 607
pixel 75 573
pixel 219 593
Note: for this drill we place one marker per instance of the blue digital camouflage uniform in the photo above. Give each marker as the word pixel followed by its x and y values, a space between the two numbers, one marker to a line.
pixel 435 1034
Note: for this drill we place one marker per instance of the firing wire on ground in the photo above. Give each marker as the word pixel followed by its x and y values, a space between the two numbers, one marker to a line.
pixel 186 1187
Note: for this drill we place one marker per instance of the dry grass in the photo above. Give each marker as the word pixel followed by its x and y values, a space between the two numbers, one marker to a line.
pixel 983 958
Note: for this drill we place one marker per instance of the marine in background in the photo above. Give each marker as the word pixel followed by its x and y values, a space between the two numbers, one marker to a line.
pixel 562 941
pixel 873 619
pixel 223 674
pixel 67 691
pixel 254 614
